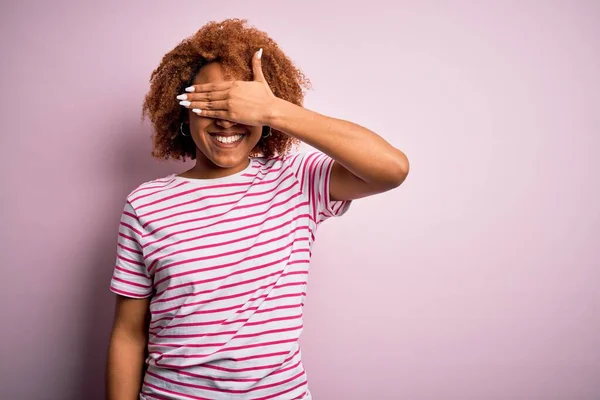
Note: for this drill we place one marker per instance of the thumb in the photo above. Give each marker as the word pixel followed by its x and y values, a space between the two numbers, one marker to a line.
pixel 257 67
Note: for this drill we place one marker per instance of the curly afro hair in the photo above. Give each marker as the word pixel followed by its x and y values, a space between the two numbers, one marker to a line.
pixel 231 43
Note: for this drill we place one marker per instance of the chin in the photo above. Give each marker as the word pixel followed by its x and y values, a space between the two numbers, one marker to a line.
pixel 229 158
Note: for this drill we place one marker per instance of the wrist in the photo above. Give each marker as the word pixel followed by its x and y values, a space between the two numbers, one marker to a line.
pixel 275 112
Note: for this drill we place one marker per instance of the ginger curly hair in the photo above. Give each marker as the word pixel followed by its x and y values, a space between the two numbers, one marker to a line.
pixel 231 43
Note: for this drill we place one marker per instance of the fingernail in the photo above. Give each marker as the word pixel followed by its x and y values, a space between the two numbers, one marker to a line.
pixel 182 97
pixel 185 103
pixel 197 110
pixel 260 53
pixel 190 89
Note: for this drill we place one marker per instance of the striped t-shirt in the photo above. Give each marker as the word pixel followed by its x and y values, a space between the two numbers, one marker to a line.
pixel 225 262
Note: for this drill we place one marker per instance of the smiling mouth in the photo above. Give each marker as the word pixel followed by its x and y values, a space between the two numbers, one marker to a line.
pixel 227 138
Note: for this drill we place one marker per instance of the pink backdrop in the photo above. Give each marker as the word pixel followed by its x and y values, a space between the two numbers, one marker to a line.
pixel 476 279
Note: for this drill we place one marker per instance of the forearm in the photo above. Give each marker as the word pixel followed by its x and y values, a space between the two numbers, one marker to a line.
pixel 125 366
pixel 361 151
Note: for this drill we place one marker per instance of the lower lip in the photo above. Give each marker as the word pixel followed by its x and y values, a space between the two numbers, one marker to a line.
pixel 227 145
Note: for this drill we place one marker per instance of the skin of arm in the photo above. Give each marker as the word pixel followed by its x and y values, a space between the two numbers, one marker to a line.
pixel 365 164
pixel 127 348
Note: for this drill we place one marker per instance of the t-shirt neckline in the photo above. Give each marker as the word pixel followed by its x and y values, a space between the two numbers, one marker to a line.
pixel 208 181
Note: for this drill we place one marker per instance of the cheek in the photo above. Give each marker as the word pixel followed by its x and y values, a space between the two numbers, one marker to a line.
pixel 255 134
pixel 256 131
pixel 199 124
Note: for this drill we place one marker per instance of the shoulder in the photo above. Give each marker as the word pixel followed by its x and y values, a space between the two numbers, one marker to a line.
pixel 154 188
pixel 269 164
pixel 293 160
pixel 305 161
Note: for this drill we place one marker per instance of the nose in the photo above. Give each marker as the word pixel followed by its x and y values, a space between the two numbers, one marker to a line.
pixel 225 124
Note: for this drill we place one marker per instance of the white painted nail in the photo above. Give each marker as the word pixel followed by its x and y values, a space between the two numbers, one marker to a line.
pixel 182 97
pixel 260 53
pixel 190 89
pixel 185 103
pixel 197 110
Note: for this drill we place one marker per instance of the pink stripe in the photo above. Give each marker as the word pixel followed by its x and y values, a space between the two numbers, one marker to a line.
pixel 131 228
pixel 218 322
pixel 215 379
pixel 186 373
pixel 267 355
pixel 217 310
pixel 129 294
pixel 202 335
pixel 255 368
pixel 321 188
pixel 280 383
pixel 141 264
pixel 182 372
pixel 266 321
pixel 315 184
pixel 129 214
pixel 304 164
pixel 175 393
pixel 268 332
pixel 126 271
pixel 149 187
pixel 286 369
pixel 129 249
pixel 191 385
pixel 146 394
pixel 264 310
pixel 131 283
pixel 248 369
pixel 244 347
pixel 121 234
pixel 285 296
pixel 190 324
pixel 280 393
pixel 291 160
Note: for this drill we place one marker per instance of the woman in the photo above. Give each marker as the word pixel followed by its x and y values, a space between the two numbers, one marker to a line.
pixel 212 263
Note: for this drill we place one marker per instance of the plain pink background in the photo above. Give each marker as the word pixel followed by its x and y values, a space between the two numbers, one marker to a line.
pixel 478 278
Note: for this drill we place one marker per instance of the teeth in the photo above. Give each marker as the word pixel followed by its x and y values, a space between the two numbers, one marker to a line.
pixel 228 139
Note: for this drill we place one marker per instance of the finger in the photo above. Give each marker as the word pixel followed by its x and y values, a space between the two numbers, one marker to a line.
pixel 209 87
pixel 257 66
pixel 220 114
pixel 205 96
pixel 208 105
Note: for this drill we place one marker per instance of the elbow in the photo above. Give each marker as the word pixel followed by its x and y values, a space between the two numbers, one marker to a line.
pixel 400 169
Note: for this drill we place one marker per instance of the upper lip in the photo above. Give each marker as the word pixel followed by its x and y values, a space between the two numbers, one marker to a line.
pixel 224 133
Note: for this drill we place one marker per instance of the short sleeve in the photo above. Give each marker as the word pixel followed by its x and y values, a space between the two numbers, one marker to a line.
pixel 130 276
pixel 313 171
